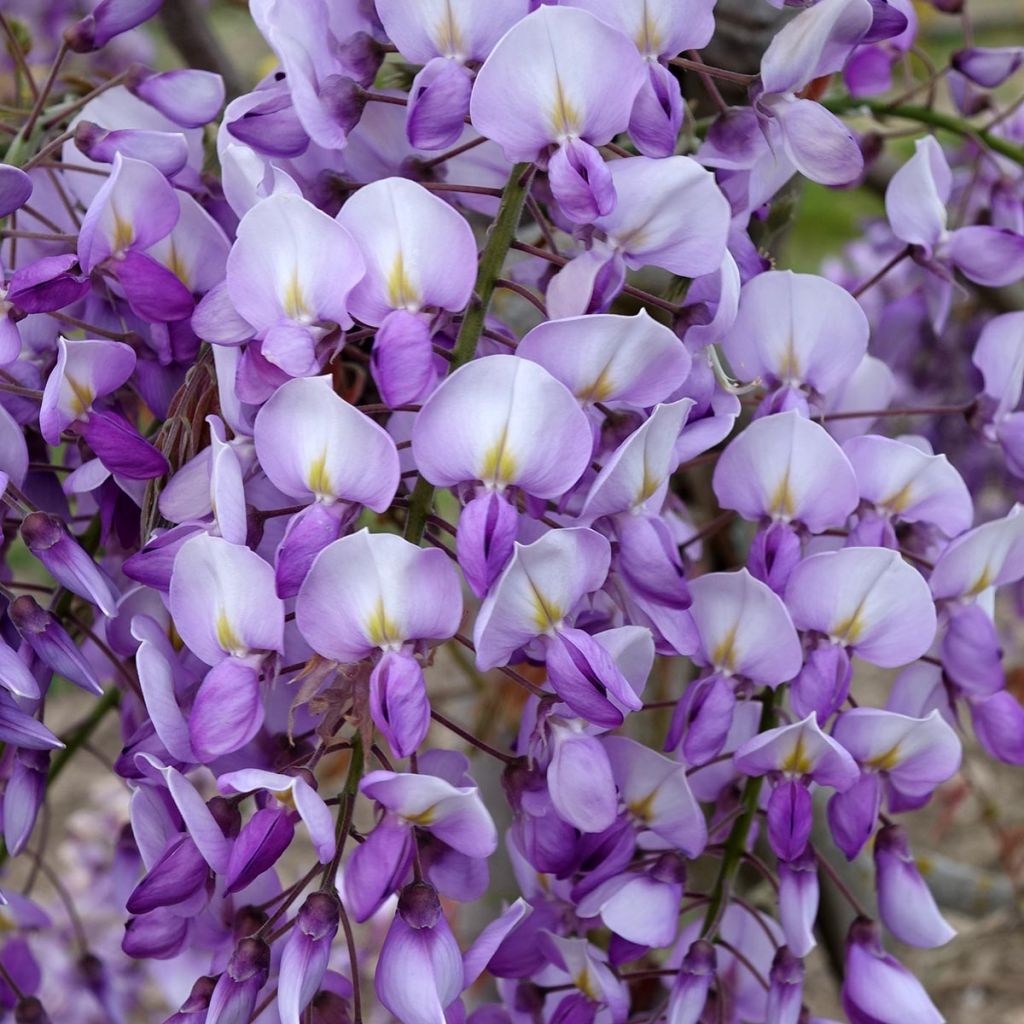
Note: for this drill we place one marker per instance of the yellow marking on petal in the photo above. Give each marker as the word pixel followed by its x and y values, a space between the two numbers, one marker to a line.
pixel 294 301
pixel 586 984
pixel 599 389
pixel 546 614
pixel 649 39
pixel 319 480
pixel 798 762
pixel 286 797
pixel 402 292
pixel 724 654
pixel 226 635
pixel 448 35
pixel 82 395
pixel 176 265
pixel 124 233
pixel 499 465
pixel 850 629
pixel 650 483
pixel 643 809
pixel 380 630
pixel 423 819
pixel 789 367
pixel 983 582
pixel 564 118
pixel 782 502
pixel 887 761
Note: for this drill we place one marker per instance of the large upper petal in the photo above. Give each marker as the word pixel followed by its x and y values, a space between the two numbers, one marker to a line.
pixel 312 444
pixel 538 589
pixel 223 600
pixel 558 74
pixel 503 420
pixel 867 599
pixel 796 329
pixel 611 359
pixel 788 468
pixel 292 262
pixel 419 250
pixel 744 627
pixel 374 590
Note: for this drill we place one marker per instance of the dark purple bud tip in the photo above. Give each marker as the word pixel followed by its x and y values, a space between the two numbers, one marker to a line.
pixel 320 914
pixel 344 98
pixel 864 932
pixel 27 616
pixel 362 55
pixel 30 1011
pixel 199 998
pixel 248 921
pixel 419 905
pixel 81 37
pixel 227 815
pixel 41 531
pixel 87 135
pixel 787 969
pixel 669 867
pixel 250 959
pixel 700 958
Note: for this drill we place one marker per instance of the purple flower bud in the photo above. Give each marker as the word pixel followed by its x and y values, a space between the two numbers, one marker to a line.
pixel 166 151
pixel 234 996
pixel 438 103
pixel 877 988
pixel 419 971
pixel 774 553
pixel 798 901
pixel 702 719
pixel 120 447
pixel 48 283
pixel 48 539
pixel 988 66
pixel 823 683
pixel 905 903
pixel 158 935
pixel 264 837
pixel 690 988
pixel 852 815
pixel 22 730
pixel 52 644
pixel 657 113
pixel 187 96
pixel 485 539
pixel 785 992
pixel 398 702
pixel 305 956
pixel 178 874
pixel 585 676
pixel 999 725
pixel 581 181
pixel 790 816
pixel 23 796
pixel 308 533
pixel 193 1010
pixel 402 361
pixel 377 867
pixel 971 652
pixel 109 18
pixel 271 126
pixel 15 189
pixel 29 1010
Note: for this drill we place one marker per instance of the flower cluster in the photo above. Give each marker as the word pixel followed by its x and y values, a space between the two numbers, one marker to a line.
pixel 454 351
